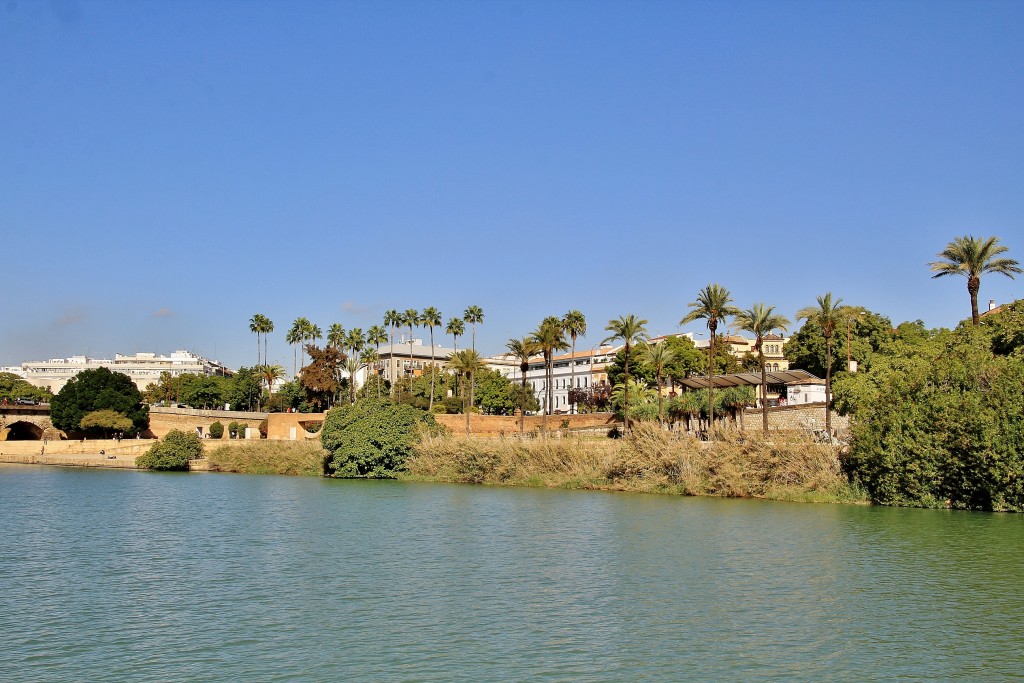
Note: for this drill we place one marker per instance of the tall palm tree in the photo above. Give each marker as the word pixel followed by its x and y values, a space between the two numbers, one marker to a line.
pixel 827 315
pixel 466 364
pixel 411 317
pixel 268 327
pixel 301 327
pixel 392 318
pixel 311 333
pixel 473 315
pixel 713 304
pixel 631 330
pixel 760 319
pixel 430 319
pixel 575 325
pixel 376 335
pixel 354 341
pixel 658 356
pixel 523 349
pixel 456 327
pixel 294 339
pixel 548 338
pixel 336 336
pixel 256 327
pixel 972 257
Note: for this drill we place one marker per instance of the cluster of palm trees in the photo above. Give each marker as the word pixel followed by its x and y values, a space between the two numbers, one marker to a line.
pixel 968 256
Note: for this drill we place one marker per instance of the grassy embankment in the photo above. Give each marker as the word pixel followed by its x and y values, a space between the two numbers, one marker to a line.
pixel 782 467
pixel 269 457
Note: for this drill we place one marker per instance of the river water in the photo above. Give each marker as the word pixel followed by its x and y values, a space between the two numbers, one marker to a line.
pixel 138 576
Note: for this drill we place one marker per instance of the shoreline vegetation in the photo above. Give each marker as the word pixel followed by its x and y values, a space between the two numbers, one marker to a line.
pixel 650 460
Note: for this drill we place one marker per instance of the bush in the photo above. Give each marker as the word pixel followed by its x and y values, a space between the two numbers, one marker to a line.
pixel 216 430
pixel 172 452
pixel 940 425
pixel 372 438
pixel 233 430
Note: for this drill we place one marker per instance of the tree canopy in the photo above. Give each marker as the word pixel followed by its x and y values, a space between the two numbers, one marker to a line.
pixel 99 389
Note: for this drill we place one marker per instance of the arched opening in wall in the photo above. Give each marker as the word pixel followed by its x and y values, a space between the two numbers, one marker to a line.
pixel 22 431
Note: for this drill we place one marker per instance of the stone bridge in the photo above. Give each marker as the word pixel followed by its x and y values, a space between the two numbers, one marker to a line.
pixel 26 423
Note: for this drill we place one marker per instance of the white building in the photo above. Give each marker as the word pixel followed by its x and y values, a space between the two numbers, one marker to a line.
pixel 805 391
pixel 588 367
pixel 143 368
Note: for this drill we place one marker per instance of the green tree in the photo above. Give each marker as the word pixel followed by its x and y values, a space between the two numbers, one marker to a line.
pixel 631 330
pixel 466 364
pixel 376 336
pixel 973 257
pixel 456 327
pixel 548 338
pixel 473 315
pixel 392 319
pixel 575 325
pixel 172 452
pixel 658 357
pixel 216 430
pixel 430 319
pixel 523 350
pixel 354 342
pixel 105 421
pixel 372 438
pixel 411 317
pixel 99 389
pixel 827 316
pixel 246 389
pixel 938 422
pixel 713 305
pixel 257 324
pixel 13 387
pixel 687 359
pixel 270 374
pixel 760 319
pixel 297 336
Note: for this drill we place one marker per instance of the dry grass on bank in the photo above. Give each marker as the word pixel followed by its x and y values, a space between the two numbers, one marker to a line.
pixel 269 457
pixel 651 460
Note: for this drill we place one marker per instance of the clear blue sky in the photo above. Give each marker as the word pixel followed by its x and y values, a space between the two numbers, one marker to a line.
pixel 168 169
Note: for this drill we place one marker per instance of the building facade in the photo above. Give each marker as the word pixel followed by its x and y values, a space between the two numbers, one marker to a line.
pixel 143 368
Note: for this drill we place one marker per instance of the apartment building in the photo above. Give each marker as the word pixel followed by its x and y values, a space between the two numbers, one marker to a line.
pixel 143 368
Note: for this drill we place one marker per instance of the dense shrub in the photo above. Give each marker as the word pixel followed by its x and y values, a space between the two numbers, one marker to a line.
pixel 372 438
pixel 233 430
pixel 940 425
pixel 172 452
pixel 216 430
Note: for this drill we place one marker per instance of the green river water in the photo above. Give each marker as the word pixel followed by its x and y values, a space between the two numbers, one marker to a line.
pixel 137 576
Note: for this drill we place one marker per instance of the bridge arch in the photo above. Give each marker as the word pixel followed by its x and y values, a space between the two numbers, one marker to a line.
pixel 22 430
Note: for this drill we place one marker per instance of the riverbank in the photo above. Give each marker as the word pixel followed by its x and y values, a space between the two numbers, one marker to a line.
pixel 782 467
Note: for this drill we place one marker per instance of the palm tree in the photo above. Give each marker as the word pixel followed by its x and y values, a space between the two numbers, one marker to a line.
pixel 430 319
pixel 256 327
pixel 392 318
pixel 311 333
pixel 294 339
pixel 301 328
pixel 354 341
pixel 523 349
pixel 972 257
pixel 271 373
pixel 474 315
pixel 466 364
pixel 548 338
pixel 658 356
pixel 575 325
pixel 639 393
pixel 760 320
pixel 827 315
pixel 268 327
pixel 630 330
pixel 336 336
pixel 713 304
pixel 411 317
pixel 456 327
pixel 376 335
